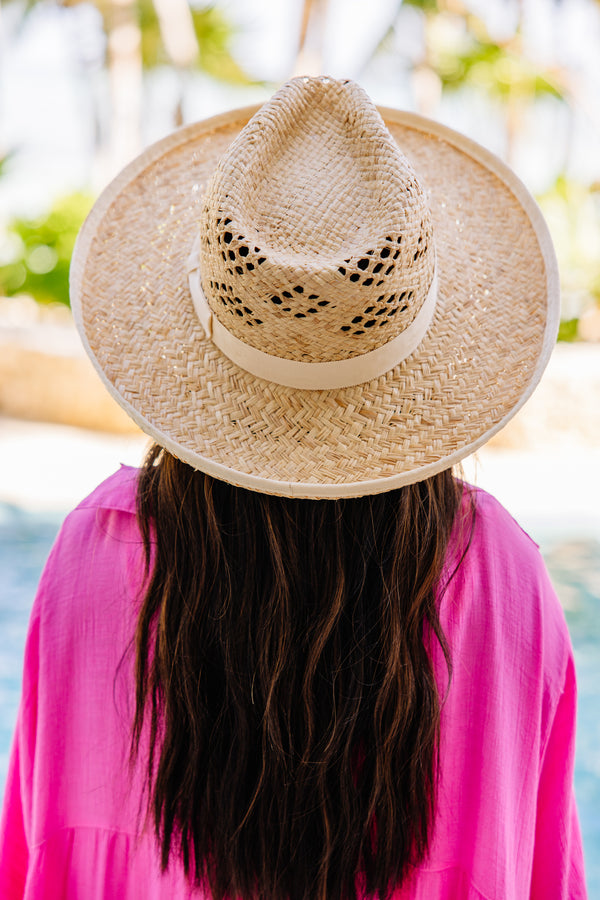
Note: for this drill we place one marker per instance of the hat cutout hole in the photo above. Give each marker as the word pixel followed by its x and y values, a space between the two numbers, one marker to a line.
pixel 295 207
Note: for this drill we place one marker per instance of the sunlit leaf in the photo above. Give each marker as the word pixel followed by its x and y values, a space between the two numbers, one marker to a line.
pixel 43 249
pixel 215 35
pixel 425 5
pixel 491 66
pixel 572 212
pixel 567 330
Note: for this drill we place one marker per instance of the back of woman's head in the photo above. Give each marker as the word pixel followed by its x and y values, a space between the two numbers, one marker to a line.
pixel 283 666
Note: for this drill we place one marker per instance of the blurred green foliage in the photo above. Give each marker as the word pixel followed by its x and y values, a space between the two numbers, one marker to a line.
pixel 572 210
pixel 425 5
pixel 567 330
pixel 37 252
pixel 458 52
pixel 214 34
pixel 500 72
pixel 4 161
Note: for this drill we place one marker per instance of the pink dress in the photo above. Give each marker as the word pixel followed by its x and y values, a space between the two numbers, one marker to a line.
pixel 506 825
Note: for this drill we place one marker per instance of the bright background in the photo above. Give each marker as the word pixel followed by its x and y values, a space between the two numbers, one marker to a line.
pixel 85 86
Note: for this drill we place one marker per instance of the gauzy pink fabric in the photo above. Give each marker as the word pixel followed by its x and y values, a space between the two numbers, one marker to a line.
pixel 506 824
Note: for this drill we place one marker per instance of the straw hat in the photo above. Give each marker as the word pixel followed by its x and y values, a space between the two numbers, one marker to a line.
pixel 317 299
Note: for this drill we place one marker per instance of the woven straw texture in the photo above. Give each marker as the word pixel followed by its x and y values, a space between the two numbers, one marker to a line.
pixel 315 235
pixel 484 351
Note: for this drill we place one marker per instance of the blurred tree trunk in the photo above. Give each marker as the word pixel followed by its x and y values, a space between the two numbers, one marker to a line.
pixel 309 59
pixel 142 34
pixel 179 40
pixel 124 61
pixel 2 39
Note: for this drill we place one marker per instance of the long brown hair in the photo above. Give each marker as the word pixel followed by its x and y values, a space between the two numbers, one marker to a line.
pixel 282 668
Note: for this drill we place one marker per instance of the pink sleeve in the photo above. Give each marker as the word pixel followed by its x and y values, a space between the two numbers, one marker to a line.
pixel 558 871
pixel 16 821
pixel 13 844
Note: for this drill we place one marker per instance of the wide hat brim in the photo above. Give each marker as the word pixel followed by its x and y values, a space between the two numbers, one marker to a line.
pixel 490 339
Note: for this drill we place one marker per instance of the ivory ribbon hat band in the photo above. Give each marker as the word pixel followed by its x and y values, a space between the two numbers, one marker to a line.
pixel 317 298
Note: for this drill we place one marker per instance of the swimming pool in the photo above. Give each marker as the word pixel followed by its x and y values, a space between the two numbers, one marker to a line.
pixel 25 539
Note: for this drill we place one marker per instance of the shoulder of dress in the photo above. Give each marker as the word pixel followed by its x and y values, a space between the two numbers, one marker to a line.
pixel 493 521
pixel 117 492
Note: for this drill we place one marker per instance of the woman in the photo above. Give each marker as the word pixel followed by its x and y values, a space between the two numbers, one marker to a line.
pixel 293 656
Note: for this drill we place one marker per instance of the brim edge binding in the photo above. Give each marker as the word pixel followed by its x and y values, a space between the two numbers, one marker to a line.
pixel 315 490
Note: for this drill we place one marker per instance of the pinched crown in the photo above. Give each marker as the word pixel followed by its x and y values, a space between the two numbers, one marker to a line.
pixel 315 239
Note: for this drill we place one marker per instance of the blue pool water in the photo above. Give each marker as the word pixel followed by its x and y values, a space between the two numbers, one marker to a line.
pixel 25 540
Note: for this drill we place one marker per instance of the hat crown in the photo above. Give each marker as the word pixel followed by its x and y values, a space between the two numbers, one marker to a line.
pixel 315 236
pixel 167 359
